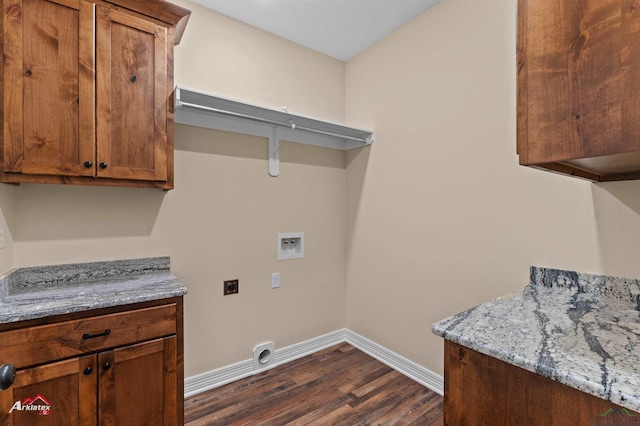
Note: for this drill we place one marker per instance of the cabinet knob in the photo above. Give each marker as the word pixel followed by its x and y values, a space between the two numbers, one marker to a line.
pixel 103 165
pixel 133 79
pixel 88 164
pixel 88 371
pixel 7 376
pixel 106 366
pixel 28 73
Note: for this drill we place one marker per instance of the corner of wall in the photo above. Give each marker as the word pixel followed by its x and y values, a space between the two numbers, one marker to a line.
pixel 7 226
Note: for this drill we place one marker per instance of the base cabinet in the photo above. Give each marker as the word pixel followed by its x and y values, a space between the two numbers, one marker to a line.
pixel 482 390
pixel 140 383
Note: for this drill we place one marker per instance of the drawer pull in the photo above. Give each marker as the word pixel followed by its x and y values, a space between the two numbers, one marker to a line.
pixel 7 376
pixel 87 336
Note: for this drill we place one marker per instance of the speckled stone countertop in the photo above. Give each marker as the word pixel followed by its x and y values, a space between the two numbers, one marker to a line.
pixel 43 291
pixel 579 329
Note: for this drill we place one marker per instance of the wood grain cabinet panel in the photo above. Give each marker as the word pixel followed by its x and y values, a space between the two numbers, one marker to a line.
pixel 86 90
pixel 46 343
pixel 132 97
pixel 63 386
pixel 579 87
pixel 136 379
pixel 482 390
pixel 140 387
pixel 48 125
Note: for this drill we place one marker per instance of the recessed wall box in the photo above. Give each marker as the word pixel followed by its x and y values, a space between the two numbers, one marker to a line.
pixel 290 246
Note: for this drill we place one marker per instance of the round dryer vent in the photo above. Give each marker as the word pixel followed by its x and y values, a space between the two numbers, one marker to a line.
pixel 263 356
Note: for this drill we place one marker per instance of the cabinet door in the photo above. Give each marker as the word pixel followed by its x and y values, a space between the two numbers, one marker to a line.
pixel 60 394
pixel 578 73
pixel 138 384
pixel 131 97
pixel 49 87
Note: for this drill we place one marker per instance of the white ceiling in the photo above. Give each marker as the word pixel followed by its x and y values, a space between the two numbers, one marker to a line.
pixel 338 28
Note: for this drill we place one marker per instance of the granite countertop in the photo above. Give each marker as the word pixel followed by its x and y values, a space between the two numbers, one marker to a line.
pixel 582 330
pixel 43 291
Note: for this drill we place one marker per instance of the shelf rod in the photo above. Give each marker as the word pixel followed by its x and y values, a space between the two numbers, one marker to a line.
pixel 291 126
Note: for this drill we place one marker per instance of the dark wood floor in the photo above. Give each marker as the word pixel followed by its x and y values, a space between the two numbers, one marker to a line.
pixel 337 386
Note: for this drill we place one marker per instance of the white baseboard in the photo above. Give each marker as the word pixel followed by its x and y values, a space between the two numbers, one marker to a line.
pixel 422 375
pixel 230 373
pixel 309 347
pixel 212 379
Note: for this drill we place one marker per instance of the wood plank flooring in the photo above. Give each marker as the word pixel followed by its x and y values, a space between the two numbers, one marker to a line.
pixel 340 385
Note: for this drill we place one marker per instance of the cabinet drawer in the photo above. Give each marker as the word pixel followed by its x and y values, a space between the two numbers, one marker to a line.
pixel 46 343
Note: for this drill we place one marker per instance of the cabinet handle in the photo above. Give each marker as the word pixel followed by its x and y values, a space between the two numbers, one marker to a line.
pixel 7 376
pixel 88 164
pixel 103 165
pixel 106 366
pixel 86 336
pixel 133 79
pixel 88 371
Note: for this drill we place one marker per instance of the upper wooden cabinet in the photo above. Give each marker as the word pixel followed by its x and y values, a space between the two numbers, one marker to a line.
pixel 86 91
pixel 579 87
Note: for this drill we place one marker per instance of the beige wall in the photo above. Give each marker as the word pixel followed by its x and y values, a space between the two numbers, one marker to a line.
pixel 441 217
pixel 7 215
pixel 223 56
pixel 222 219
pixel 435 217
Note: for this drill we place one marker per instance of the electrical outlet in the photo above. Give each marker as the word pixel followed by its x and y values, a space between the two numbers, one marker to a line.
pixel 231 287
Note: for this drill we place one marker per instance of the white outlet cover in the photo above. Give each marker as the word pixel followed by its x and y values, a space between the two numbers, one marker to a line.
pixel 275 280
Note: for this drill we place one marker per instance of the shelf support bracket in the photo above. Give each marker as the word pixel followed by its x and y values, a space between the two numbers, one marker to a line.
pixel 274 150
